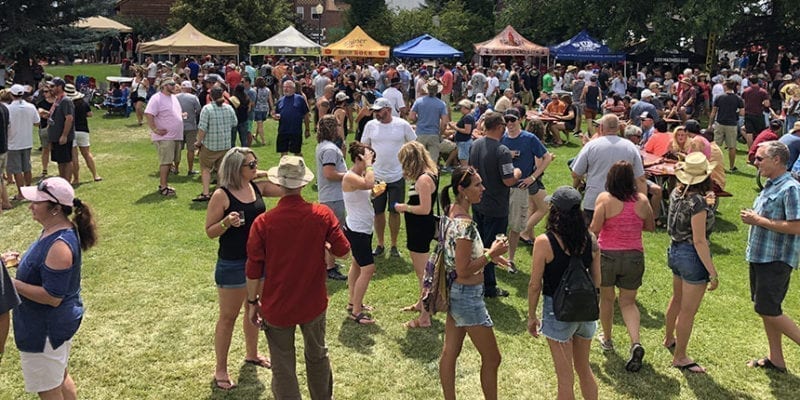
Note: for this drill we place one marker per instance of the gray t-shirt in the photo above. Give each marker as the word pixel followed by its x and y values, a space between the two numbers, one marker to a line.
pixel 681 211
pixel 597 157
pixel 191 106
pixel 493 162
pixel 328 154
pixel 55 125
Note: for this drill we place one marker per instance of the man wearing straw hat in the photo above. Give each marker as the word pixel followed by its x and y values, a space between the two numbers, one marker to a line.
pixel 431 116
pixel 286 280
pixel 772 249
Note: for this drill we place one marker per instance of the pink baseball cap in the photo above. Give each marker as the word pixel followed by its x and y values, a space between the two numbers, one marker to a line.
pixel 55 189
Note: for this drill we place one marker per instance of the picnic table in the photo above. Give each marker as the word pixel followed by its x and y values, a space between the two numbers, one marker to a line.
pixel 539 123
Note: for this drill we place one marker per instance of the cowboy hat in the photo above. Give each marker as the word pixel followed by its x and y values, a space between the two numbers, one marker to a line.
pixel 69 91
pixel 694 169
pixel 290 173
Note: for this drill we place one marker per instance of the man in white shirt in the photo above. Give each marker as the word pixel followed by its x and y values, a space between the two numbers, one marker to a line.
pixel 386 135
pixel 22 117
pixel 395 97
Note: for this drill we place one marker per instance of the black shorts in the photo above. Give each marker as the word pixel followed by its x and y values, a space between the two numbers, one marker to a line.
pixel 420 230
pixel 535 187
pixel 360 246
pixel 769 283
pixel 395 193
pixel 289 143
pixel 61 153
pixel 754 124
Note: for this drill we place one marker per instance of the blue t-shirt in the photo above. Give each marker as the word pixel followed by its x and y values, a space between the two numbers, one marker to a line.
pixel 292 110
pixel 429 111
pixel 524 150
pixel 791 141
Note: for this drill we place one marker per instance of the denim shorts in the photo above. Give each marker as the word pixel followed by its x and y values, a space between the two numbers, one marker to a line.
pixel 467 307
pixel 683 260
pixel 229 274
pixel 260 115
pixel 561 331
pixel 463 149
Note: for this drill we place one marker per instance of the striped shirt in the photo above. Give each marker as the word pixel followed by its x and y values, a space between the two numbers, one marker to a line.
pixel 780 200
pixel 217 122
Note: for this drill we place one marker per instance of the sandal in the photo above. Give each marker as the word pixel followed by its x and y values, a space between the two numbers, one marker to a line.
pixel 766 364
pixel 166 191
pixel 411 308
pixel 693 367
pixel 229 385
pixel 415 323
pixel 202 197
pixel 364 307
pixel 262 362
pixel 361 319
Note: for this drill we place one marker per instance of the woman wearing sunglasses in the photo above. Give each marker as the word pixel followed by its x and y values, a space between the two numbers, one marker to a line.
pixel 465 258
pixel 49 284
pixel 231 211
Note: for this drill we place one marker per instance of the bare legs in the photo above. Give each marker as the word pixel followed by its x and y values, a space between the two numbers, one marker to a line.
pixel 775 328
pixel 76 165
pixel 628 308
pixel 358 281
pixel 66 391
pixel 569 358
pixel 486 344
pixel 683 306
pixel 380 227
pixel 231 302
pixel 419 260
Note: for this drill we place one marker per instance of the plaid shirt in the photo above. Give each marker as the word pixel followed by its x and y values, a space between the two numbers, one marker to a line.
pixel 780 200
pixel 217 122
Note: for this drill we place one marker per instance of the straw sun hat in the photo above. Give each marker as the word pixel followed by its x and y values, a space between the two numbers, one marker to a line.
pixel 694 169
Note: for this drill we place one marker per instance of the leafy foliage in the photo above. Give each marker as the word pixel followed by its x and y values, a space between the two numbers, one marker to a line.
pixel 148 28
pixel 457 25
pixel 373 17
pixel 242 21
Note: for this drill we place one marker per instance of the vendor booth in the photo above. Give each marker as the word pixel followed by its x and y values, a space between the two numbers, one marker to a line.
pixel 189 41
pixel 288 42
pixel 583 47
pixel 100 23
pixel 357 44
pixel 426 46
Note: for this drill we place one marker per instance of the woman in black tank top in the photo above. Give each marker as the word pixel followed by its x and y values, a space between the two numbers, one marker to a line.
pixel 566 234
pixel 231 211
pixel 418 213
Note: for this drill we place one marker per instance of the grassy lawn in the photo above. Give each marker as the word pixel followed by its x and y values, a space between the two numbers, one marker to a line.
pixel 151 303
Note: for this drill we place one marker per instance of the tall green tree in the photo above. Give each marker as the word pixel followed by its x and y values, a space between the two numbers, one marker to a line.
pixel 32 28
pixel 373 16
pixel 770 23
pixel 235 21
pixel 456 25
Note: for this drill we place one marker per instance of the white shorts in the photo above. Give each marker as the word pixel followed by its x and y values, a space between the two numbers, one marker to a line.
pixel 45 371
pixel 81 139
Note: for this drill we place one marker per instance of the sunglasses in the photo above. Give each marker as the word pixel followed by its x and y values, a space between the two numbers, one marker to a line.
pixel 469 172
pixel 252 164
pixel 42 187
pixel 510 119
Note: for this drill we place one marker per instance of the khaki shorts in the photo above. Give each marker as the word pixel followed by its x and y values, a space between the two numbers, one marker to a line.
pixel 518 209
pixel 169 151
pixel 726 134
pixel 189 138
pixel 211 160
pixel 621 268
pixel 3 163
pixel 446 147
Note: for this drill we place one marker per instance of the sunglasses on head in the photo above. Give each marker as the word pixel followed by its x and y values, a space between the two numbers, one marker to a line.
pixel 42 187
pixel 469 172
pixel 252 164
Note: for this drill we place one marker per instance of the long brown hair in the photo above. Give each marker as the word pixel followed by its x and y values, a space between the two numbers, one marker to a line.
pixel 415 159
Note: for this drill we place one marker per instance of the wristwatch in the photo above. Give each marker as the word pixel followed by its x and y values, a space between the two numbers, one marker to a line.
pixel 254 301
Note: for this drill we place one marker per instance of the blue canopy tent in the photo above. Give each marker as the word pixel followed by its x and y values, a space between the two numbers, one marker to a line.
pixel 426 46
pixel 583 47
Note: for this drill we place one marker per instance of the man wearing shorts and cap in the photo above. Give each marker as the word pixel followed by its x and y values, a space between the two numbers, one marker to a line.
pixel 61 128
pixel 190 107
pixel 22 117
pixel 431 117
pixel 726 111
pixel 386 135
pixel 217 119
pixel 164 117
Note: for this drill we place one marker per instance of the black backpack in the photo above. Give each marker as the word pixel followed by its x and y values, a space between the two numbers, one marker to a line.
pixel 576 298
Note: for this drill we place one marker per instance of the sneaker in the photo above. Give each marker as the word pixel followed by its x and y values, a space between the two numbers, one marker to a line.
pixel 496 293
pixel 634 364
pixel 394 252
pixel 734 169
pixel 512 268
pixel 335 275
pixel 192 172
pixel 606 345
pixel 378 251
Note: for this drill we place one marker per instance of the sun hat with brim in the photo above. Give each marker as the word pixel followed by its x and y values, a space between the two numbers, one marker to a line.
pixel 465 103
pixel 565 198
pixel 69 91
pixel 433 86
pixel 55 189
pixel 694 169
pixel 290 173
pixel 796 127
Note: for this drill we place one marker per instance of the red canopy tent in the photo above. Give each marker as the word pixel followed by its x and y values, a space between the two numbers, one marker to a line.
pixel 510 43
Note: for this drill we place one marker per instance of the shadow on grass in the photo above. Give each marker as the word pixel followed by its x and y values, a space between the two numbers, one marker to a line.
pixel 248 385
pixel 506 317
pixel 423 344
pixel 716 249
pixel 722 225
pixel 783 386
pixel 154 197
pixel 705 387
pixel 388 266
pixel 647 318
pixel 360 338
pixel 640 385
pixel 335 286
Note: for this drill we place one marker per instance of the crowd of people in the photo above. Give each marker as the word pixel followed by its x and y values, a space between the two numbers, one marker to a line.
pixel 405 138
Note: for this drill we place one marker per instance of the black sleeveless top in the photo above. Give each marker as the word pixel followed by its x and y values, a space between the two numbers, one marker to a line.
pixel 233 243
pixel 555 269
pixel 592 97
pixel 423 225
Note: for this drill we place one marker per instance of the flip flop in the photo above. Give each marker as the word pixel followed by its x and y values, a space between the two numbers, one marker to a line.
pixel 414 323
pixel 364 307
pixel 411 308
pixel 201 198
pixel 260 362
pixel 689 368
pixel 671 346
pixel 766 364
pixel 98 179
pixel 229 385
pixel 361 319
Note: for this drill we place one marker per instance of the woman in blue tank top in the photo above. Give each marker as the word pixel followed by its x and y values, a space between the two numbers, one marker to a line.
pixel 49 285
pixel 231 211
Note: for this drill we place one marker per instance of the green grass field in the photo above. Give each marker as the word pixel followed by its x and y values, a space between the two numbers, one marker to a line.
pixel 151 303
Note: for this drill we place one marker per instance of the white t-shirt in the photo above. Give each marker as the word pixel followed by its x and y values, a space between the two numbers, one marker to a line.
pixel 21 118
pixel 396 98
pixel 386 140
pixel 493 84
pixel 152 70
pixel 595 160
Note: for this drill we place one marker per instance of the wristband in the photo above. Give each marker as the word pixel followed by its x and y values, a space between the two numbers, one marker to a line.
pixel 488 256
pixel 370 168
pixel 222 224
pixel 254 302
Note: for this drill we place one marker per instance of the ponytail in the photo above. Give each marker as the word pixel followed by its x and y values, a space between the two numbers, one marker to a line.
pixel 84 223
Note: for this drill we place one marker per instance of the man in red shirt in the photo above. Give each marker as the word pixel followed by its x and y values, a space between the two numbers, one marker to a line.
pixel 232 76
pixel 286 280
pixel 755 99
